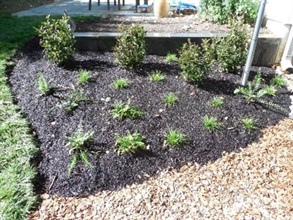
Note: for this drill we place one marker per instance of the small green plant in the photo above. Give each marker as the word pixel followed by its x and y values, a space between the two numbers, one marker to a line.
pixel 78 147
pixel 175 138
pixel 57 39
pixel 211 123
pixel 157 76
pixel 253 90
pixel 131 143
pixel 43 85
pixel 248 123
pixel 171 58
pixel 195 61
pixel 121 110
pixel 121 83
pixel 217 102
pixel 130 49
pixel 232 49
pixel 270 90
pixel 170 99
pixel 278 81
pixel 83 76
pixel 74 99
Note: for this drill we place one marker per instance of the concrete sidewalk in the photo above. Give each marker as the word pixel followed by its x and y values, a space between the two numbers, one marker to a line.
pixel 81 7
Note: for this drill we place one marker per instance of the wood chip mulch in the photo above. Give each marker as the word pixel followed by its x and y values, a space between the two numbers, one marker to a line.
pixel 254 184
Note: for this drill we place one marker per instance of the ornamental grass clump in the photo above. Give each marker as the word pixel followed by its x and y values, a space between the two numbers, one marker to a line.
pixel 174 138
pixel 157 76
pixel 83 76
pixel 57 39
pixel 211 123
pixel 130 49
pixel 121 83
pixel 195 61
pixel 131 143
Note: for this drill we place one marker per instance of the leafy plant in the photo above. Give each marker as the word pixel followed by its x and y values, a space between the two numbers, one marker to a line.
pixel 170 99
pixel 57 39
pixel 211 123
pixel 196 62
pixel 131 143
pixel 121 83
pixel 248 123
pixel 157 76
pixel 74 99
pixel 232 50
pixel 254 93
pixel 253 90
pixel 43 85
pixel 270 90
pixel 83 76
pixel 171 58
pixel 175 138
pixel 78 143
pixel 130 48
pixel 121 110
pixel 278 81
pixel 217 102
pixel 223 12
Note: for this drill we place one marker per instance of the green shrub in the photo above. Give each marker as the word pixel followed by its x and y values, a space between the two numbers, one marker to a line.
pixel 130 49
pixel 57 39
pixel 223 12
pixel 196 61
pixel 131 143
pixel 232 49
pixel 175 138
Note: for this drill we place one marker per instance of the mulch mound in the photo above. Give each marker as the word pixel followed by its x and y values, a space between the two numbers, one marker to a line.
pixel 253 184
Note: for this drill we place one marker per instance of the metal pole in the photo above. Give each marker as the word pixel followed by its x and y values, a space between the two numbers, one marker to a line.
pixel 252 47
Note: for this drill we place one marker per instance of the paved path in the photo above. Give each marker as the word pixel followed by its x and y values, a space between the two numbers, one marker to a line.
pixel 81 7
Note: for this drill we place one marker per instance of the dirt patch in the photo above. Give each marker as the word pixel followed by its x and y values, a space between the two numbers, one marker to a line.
pixel 52 123
pixel 180 24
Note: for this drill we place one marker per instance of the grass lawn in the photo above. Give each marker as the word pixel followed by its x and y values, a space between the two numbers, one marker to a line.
pixel 17 146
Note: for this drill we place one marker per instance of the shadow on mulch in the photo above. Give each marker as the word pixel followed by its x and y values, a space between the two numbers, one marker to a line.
pixel 52 123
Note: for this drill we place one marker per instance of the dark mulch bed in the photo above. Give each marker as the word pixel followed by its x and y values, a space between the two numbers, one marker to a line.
pixel 52 123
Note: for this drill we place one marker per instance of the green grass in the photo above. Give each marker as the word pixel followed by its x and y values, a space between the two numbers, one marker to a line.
pixel 278 81
pixel 17 146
